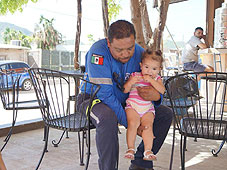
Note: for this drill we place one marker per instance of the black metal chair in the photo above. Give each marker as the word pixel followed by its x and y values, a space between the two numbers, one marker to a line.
pixel 217 65
pixel 59 92
pixel 220 78
pixel 205 116
pixel 9 92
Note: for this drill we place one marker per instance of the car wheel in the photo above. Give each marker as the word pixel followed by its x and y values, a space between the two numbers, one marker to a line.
pixel 27 85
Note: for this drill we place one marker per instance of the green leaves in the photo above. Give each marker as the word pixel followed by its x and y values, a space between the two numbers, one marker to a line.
pixel 113 8
pixel 11 34
pixel 13 5
pixel 45 35
pixel 91 38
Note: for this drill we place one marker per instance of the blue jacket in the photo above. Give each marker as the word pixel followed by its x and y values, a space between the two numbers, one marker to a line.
pixel 103 69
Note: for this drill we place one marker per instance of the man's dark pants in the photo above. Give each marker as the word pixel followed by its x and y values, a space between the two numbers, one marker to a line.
pixel 107 143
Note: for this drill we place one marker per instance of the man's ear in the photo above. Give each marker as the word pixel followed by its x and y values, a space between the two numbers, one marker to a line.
pixel 140 65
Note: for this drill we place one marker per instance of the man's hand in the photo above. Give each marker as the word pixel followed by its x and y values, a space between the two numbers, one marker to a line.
pixel 206 44
pixel 148 93
pixel 140 130
pixel 204 36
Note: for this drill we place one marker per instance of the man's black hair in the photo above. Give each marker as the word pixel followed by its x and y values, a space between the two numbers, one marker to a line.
pixel 120 29
pixel 198 28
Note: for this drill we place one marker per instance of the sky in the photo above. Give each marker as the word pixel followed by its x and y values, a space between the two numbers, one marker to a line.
pixel 182 17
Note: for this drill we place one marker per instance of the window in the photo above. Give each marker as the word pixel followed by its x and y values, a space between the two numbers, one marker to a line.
pixel 4 67
pixel 18 65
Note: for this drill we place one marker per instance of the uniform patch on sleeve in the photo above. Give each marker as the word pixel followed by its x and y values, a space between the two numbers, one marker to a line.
pixel 97 59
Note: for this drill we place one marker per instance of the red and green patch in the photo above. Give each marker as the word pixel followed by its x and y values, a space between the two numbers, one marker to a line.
pixel 97 59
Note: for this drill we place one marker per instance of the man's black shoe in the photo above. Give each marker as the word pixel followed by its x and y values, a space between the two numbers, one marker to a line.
pixel 135 167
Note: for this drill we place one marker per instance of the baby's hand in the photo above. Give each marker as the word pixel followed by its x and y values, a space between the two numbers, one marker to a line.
pixel 147 78
pixel 134 79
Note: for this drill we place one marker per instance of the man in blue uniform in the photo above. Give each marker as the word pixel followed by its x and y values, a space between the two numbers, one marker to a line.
pixel 109 62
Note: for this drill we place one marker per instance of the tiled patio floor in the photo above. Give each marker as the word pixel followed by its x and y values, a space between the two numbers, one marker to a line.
pixel 24 149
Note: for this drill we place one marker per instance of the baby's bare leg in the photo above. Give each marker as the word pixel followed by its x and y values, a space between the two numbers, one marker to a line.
pixel 147 134
pixel 2 165
pixel 133 119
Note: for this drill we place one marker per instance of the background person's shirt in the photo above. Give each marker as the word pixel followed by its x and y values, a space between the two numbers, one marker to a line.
pixel 190 52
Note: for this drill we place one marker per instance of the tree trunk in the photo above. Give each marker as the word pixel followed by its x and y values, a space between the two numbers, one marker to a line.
pixel 157 36
pixel 105 16
pixel 78 33
pixel 147 31
pixel 137 21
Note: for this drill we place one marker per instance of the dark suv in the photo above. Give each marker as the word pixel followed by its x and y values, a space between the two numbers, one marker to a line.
pixel 17 68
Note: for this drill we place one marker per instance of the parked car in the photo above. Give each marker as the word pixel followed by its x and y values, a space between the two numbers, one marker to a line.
pixel 17 68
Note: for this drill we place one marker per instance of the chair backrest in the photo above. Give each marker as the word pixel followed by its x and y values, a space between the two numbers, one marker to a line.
pixel 11 96
pixel 59 92
pixel 199 113
pixel 9 89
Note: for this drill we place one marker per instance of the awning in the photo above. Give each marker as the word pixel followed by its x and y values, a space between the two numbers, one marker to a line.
pixel 155 2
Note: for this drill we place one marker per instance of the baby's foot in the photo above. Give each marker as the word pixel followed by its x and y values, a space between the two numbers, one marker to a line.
pixel 129 154
pixel 149 156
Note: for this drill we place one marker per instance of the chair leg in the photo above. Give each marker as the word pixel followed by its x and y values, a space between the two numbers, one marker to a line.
pixel 6 140
pixel 45 147
pixel 183 155
pixel 186 145
pixel 172 151
pixel 215 154
pixel 44 132
pixel 88 137
pixel 81 148
pixel 57 143
pixel 67 134
pixel 182 151
pixel 195 139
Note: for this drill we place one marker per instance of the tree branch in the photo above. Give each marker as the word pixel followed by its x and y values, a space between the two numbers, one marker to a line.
pixel 78 33
pixel 105 16
pixel 157 36
pixel 137 21
pixel 147 31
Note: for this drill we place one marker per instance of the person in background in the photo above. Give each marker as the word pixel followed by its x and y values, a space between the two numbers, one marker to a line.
pixel 139 111
pixel 190 53
pixel 109 63
pixel 2 165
